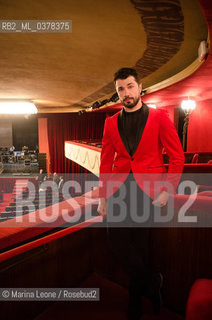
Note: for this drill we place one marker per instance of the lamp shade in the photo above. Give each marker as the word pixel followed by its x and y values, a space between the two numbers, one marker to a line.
pixel 188 105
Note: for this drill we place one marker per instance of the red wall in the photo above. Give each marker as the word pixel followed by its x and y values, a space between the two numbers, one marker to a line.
pixel 170 111
pixel 200 128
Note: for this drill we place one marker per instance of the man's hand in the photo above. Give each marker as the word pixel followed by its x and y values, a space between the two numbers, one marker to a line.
pixel 161 200
pixel 102 207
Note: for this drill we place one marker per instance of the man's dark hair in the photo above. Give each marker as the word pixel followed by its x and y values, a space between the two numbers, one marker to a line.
pixel 124 73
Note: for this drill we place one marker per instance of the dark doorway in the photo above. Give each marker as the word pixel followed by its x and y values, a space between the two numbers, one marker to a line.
pixel 180 127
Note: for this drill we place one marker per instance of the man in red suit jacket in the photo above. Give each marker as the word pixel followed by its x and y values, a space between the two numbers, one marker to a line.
pixel 132 146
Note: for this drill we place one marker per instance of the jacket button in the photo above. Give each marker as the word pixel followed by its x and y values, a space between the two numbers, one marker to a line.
pixel 132 159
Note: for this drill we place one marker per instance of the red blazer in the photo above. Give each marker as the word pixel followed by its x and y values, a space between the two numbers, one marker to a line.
pixel 147 162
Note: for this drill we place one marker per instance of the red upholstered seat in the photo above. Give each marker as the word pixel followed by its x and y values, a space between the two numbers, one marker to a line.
pixel 202 188
pixel 195 158
pixel 205 193
pixel 199 306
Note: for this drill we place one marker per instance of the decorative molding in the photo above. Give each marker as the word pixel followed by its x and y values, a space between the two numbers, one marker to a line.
pixel 178 76
pixel 87 158
pixel 163 22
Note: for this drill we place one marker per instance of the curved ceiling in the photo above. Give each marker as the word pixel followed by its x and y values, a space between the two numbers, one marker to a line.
pixel 197 86
pixel 67 72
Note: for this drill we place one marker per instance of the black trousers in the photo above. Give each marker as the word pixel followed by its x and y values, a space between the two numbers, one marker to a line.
pixel 129 239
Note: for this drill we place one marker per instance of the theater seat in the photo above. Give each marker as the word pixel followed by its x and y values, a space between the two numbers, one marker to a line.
pixel 199 306
pixel 205 193
pixel 195 158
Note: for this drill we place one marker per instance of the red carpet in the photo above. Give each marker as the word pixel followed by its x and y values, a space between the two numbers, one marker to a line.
pixel 112 305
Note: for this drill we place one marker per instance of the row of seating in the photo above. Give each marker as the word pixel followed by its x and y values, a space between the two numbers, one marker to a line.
pixel 30 207
pixel 13 214
pixel 196 158
pixel 190 157
pixel 19 202
pixel 36 196
pixel 193 157
pixel 36 200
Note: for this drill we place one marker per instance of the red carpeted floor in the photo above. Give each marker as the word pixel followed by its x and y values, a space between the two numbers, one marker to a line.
pixel 112 305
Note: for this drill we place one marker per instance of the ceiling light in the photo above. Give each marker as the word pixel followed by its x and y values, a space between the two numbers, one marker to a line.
pixel 18 107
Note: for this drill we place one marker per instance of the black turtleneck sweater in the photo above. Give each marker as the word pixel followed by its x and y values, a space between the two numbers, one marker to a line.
pixel 131 126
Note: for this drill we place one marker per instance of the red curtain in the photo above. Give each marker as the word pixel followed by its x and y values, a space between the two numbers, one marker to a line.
pixel 64 127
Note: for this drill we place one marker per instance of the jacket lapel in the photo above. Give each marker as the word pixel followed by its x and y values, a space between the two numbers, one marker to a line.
pixel 121 130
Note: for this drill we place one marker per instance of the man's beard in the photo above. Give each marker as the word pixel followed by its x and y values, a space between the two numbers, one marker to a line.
pixel 132 104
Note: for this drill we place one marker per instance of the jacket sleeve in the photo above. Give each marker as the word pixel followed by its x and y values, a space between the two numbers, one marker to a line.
pixel 107 157
pixel 171 142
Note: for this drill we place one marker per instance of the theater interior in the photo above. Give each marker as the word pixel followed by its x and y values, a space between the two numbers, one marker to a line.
pixel 55 238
